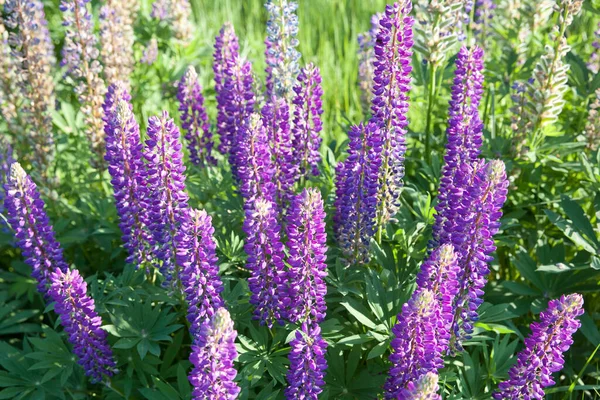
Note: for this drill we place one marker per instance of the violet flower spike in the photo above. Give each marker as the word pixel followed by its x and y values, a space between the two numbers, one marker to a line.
pixel 224 57
pixel 544 348
pixel 128 171
pixel 116 40
pixel 307 124
pixel 415 347
pixel 393 54
pixel 306 248
pixel 212 357
pixel 366 60
pixel 82 324
pixel 198 262
pixel 34 234
pixel 357 183
pixel 194 119
pixel 464 128
pixel 307 364
pixel 167 199
pixel 268 277
pixel 256 169
pixel 594 62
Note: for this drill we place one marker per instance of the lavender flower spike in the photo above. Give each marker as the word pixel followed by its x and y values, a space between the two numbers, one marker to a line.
pixel 281 54
pixel 177 14
pixel 196 256
pixel 415 348
pixel 194 119
pixel 268 278
pixel 82 324
pixel 116 40
pixel 33 231
pixel 128 172
pixel 366 59
pixel 150 53
pixel 307 246
pixel 464 127
pixel 594 62
pixel 544 348
pixel 307 364
pixel 80 56
pixel 357 183
pixel 33 53
pixel 307 120
pixel 167 196
pixel 425 388
pixel 212 357
pixel 225 54
pixel 393 53
pixel 256 169
pixel 10 96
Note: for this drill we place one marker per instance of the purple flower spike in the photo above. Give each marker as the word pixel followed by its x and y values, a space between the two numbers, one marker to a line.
pixel 425 388
pixel 212 357
pixel 544 348
pixel 196 256
pixel 594 62
pixel 34 234
pixel 307 246
pixel 307 120
pixel 439 273
pixel 255 165
pixel 82 324
pixel 357 182
pixel 464 127
pixel 166 181
pixel 268 278
pixel 393 55
pixel 194 119
pixel 276 119
pixel 475 208
pixel 128 172
pixel 415 349
pixel 307 364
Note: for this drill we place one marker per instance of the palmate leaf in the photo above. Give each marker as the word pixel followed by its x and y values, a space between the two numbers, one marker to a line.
pixel 14 319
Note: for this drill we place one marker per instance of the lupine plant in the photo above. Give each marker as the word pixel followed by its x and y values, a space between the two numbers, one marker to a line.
pixel 299 200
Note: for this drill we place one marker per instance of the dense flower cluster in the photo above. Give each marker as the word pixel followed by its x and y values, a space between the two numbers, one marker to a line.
pixel 82 324
pixel 194 119
pixel 127 169
pixel 212 356
pixel 307 364
pixel 33 231
pixel 256 170
pixel 167 197
pixel 416 348
pixel 366 59
pixel 484 12
pixel 33 54
pixel 307 120
pixel 307 246
pixel 268 277
pixel 281 54
pixel 10 98
pixel 81 57
pixel 357 185
pixel 199 275
pixel 116 40
pixel 393 54
pixel 425 388
pixel 464 131
pixel 177 14
pixel 544 348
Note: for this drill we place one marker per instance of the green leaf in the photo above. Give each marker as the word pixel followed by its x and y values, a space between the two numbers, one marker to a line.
pixel 358 312
pixel 570 231
pixel 126 343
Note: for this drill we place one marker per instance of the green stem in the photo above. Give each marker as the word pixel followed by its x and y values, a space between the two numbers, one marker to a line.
pixel 430 101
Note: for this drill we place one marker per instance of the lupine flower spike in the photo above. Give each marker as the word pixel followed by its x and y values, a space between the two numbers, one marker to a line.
pixel 594 62
pixel 34 52
pixel 307 121
pixel 10 95
pixel 357 185
pixel 6 160
pixel 150 53
pixel 307 363
pixel 116 40
pixel 416 349
pixel 166 182
pixel 366 60
pixel 307 247
pixel 592 128
pixel 82 324
pixel 33 231
pixel 543 352
pixel 212 356
pixel 194 119
pixel 197 259
pixel 80 56
pixel 128 172
pixel 425 388
pixel 177 14
pixel 268 278
pixel 393 53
